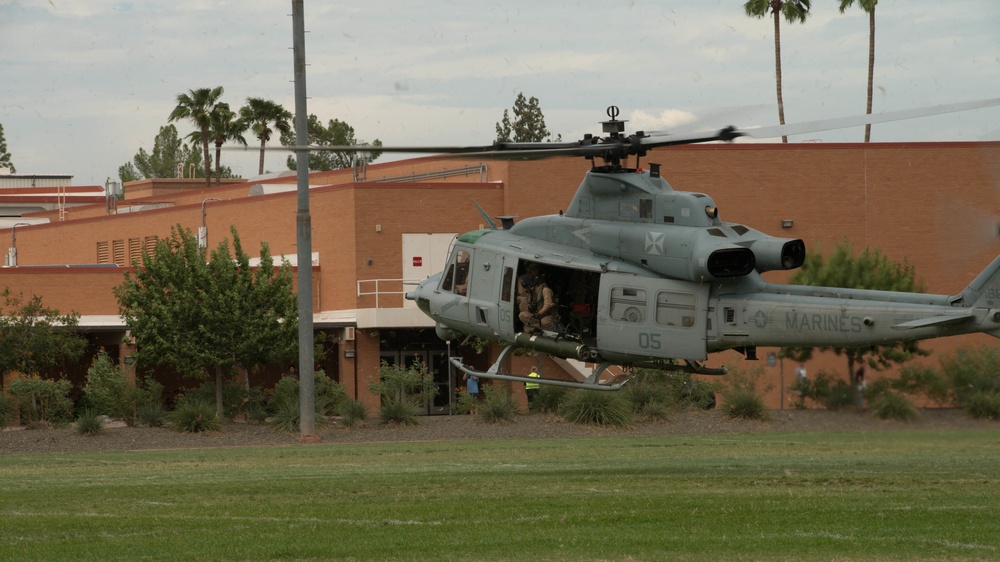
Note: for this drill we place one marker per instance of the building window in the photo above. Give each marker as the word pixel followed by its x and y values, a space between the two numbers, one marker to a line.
pixel 102 252
pixel 118 250
pixel 134 250
pixel 150 245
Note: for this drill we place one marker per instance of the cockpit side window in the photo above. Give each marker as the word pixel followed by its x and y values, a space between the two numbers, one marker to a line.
pixel 456 277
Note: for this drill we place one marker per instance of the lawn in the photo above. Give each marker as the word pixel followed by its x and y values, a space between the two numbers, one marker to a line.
pixel 896 495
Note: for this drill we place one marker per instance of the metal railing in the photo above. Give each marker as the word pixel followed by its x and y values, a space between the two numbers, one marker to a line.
pixel 377 287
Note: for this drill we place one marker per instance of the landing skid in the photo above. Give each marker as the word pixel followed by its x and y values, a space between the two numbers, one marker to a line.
pixel 592 382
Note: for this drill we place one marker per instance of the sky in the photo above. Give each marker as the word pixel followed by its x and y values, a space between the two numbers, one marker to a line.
pixel 84 84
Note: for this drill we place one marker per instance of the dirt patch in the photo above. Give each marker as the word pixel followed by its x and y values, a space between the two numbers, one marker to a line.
pixel 439 428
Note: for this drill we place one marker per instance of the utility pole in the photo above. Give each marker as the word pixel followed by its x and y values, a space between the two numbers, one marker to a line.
pixel 303 234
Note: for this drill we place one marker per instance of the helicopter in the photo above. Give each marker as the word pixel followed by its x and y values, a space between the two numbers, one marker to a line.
pixel 637 274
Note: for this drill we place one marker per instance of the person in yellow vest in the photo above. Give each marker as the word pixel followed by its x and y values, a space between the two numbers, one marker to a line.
pixel 531 388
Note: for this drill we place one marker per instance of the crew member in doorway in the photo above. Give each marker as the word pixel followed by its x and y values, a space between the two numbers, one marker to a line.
pixel 538 307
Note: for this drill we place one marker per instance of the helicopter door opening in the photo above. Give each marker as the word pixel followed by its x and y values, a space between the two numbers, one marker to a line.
pixel 574 291
pixel 652 317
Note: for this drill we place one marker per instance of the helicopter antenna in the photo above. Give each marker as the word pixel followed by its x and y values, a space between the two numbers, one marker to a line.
pixel 486 217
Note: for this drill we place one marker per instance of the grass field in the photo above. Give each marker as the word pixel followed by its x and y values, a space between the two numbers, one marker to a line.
pixel 902 495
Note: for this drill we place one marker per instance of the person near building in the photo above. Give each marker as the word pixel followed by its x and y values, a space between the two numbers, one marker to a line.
pixel 801 381
pixel 472 386
pixel 531 388
pixel 860 387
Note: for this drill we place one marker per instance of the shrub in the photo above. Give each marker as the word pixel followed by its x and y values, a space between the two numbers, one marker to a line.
pixel 352 412
pixel 840 395
pixel 926 381
pixel 41 401
pixel 498 407
pixel 255 407
pixel 597 407
pixel 329 394
pixel 194 415
pixel 465 404
pixel 691 392
pixel 983 405
pixel 233 396
pixel 742 394
pixel 89 423
pixel 286 390
pixel 744 404
pixel 108 391
pixel 6 410
pixel 645 389
pixel 396 382
pixel 895 406
pixel 549 398
pixel 972 371
pixel 400 411
pixel 151 414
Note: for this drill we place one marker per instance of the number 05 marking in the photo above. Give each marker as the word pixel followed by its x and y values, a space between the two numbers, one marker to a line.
pixel 649 340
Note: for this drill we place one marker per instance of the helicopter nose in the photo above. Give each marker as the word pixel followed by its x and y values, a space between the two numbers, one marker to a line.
pixel 422 294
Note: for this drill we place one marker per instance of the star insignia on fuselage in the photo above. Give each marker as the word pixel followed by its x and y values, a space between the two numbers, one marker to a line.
pixel 654 243
pixel 761 319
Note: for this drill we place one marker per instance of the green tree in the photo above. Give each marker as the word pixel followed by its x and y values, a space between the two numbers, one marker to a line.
pixel 870 269
pixel 528 124
pixel 259 114
pixel 225 126
pixel 335 133
pixel 5 161
pixel 34 337
pixel 793 11
pixel 200 317
pixel 869 7
pixel 169 153
pixel 256 316
pixel 198 105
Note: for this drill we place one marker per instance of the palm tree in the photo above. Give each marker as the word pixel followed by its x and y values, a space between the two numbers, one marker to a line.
pixel 258 114
pixel 226 126
pixel 197 105
pixel 794 11
pixel 869 7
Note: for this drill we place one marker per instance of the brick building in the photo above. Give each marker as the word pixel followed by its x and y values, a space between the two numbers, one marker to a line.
pixel 933 204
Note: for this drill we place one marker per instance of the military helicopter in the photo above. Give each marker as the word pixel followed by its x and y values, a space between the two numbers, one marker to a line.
pixel 643 275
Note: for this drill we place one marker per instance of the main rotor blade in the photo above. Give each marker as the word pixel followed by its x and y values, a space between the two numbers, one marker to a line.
pixel 846 122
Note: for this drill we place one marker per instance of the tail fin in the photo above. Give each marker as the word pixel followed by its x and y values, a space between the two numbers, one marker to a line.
pixel 984 291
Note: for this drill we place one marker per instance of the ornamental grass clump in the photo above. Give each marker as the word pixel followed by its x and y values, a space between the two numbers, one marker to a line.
pixel 194 415
pixel 498 407
pixel 352 413
pixel 151 414
pixel 548 399
pixel 287 416
pixel 596 407
pixel 742 395
pixel 89 423
pixel 399 411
